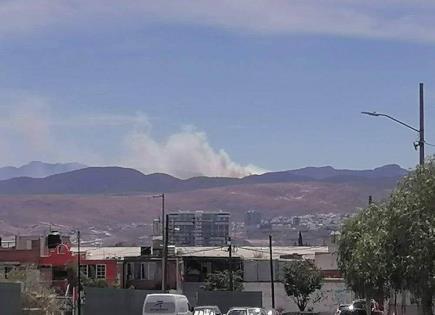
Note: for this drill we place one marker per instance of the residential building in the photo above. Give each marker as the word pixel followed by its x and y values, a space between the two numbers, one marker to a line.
pixel 188 268
pixel 198 228
pixel 55 259
pixel 252 218
pixel 23 250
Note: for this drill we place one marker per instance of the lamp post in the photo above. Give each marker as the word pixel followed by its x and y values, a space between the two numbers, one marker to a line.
pixel 420 143
pixel 164 252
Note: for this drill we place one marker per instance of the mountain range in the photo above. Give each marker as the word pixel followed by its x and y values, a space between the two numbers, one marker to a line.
pixel 37 169
pixel 118 199
pixel 109 180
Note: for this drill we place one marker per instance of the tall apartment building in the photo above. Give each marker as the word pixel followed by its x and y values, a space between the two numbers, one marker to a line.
pixel 198 228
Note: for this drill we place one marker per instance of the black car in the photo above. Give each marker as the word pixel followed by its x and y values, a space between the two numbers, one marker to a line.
pixel 358 307
pixel 340 308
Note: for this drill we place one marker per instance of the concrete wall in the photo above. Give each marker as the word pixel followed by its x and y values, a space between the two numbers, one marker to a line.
pixel 21 256
pixel 10 298
pixel 333 292
pixel 259 270
pixel 190 290
pixel 326 261
pixel 114 301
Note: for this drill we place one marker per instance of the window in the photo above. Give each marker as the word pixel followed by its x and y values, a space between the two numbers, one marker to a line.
pixel 7 269
pixel 59 273
pixel 143 271
pixel 149 271
pixel 160 307
pixel 61 249
pixel 101 271
pixel 92 272
pixel 130 268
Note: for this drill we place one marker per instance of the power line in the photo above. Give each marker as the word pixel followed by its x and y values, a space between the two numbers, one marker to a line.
pixel 202 250
pixel 265 251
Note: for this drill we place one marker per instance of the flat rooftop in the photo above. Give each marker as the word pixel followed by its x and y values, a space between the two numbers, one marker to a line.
pixel 244 252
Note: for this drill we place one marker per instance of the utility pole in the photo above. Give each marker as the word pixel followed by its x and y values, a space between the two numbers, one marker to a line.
pixel 165 254
pixel 79 302
pixel 230 264
pixel 421 140
pixel 272 283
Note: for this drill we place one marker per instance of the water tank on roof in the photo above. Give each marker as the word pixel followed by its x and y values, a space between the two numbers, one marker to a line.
pixel 145 251
pixel 53 239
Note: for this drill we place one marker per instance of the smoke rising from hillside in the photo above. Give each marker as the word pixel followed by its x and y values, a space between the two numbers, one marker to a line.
pixel 30 130
pixel 183 154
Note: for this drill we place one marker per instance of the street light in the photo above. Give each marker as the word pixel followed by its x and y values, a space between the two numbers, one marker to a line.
pixel 420 143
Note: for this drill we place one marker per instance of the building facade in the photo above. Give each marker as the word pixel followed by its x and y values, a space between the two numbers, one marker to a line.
pixel 253 218
pixel 198 228
pixel 56 261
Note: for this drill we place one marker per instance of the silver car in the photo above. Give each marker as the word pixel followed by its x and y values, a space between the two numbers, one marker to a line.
pixel 207 310
pixel 246 311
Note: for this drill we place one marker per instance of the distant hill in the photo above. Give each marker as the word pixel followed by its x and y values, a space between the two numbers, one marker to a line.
pixel 38 169
pixel 97 180
pixel 113 197
pixel 325 172
pixel 271 199
pixel 91 180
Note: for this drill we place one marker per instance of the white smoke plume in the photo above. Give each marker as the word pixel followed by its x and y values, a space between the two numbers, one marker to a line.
pixel 25 128
pixel 183 154
pixel 29 130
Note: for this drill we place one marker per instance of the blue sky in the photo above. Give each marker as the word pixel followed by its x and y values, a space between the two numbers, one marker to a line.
pixel 217 88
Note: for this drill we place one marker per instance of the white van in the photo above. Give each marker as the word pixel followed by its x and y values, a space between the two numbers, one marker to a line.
pixel 166 304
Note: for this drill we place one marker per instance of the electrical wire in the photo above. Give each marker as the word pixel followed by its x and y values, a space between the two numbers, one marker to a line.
pixel 202 250
pixel 266 251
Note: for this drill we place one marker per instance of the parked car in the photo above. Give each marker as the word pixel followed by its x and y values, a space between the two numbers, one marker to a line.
pixel 340 308
pixel 207 310
pixel 359 307
pixel 246 311
pixel 271 311
pixel 167 304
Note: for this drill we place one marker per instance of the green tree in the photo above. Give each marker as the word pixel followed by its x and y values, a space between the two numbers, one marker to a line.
pixel 361 254
pixel 412 213
pixel 301 280
pixel 391 247
pixel 220 281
